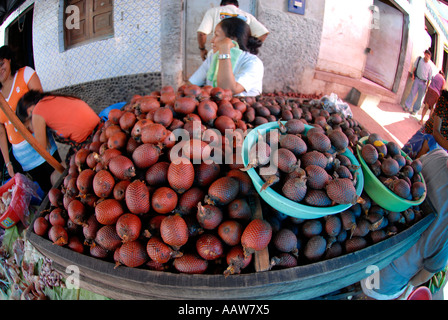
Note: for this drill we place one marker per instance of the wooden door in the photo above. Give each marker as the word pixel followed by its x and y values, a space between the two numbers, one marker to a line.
pixel 385 46
pixel 194 11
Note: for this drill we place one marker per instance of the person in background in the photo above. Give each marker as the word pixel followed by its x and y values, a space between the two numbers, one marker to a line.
pixel 434 134
pixel 433 93
pixel 70 120
pixel 227 9
pixel 421 75
pixel 233 64
pixel 15 82
pixel 430 254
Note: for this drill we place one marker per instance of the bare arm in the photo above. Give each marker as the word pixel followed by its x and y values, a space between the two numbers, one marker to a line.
pixel 202 39
pixel 40 130
pixel 440 139
pixel 226 78
pixel 35 83
pixel 5 150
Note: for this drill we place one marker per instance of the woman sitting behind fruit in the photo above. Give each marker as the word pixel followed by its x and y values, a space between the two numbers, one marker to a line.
pixel 70 120
pixel 233 64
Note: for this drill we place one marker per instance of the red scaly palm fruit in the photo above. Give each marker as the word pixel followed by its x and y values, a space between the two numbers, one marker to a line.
pixel 157 174
pixel 174 231
pixel 128 227
pixel 118 140
pixel 108 211
pixel 315 248
pixel 55 197
pixel 245 182
pixel 294 126
pixel 105 157
pixel 236 260
pixel 369 153
pixel 206 173
pixel 286 160
pixel 145 155
pixel 154 133
pixel 84 182
pixel 314 157
pixel 122 167
pixel 355 244
pixel 119 190
pixel 284 260
pixel 103 183
pixel 98 252
pixel 80 157
pixel 189 200
pixel 133 254
pixel 319 141
pixel 164 200
pixel 181 175
pixel 77 212
pixel 295 189
pixel 342 191
pixel 317 177
pixel 127 121
pixel 209 216
pixel 286 241
pixel 209 247
pixel 339 140
pixel 223 191
pixel 90 229
pixel 230 232
pixel 256 236
pixel 108 238
pixel 191 264
pixel 317 198
pixel 58 235
pixel 239 209
pixel 41 226
pixel 293 143
pixel 114 115
pixel 207 110
pixel 137 197
pixel 57 217
pixel 311 228
pixel 75 244
pixel 136 131
pixel 333 225
pixel 159 251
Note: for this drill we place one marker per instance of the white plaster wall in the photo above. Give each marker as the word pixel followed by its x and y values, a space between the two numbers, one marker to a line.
pixel 135 47
pixel 345 37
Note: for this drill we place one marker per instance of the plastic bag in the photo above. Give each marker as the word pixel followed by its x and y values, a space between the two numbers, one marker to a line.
pixel 23 190
pixel 333 104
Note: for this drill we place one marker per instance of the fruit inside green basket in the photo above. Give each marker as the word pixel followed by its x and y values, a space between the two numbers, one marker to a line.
pixel 392 178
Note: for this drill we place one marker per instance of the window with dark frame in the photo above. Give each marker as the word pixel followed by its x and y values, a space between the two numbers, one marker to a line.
pixel 91 21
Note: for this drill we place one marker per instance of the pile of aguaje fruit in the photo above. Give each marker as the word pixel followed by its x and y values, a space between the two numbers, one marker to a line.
pixel 126 200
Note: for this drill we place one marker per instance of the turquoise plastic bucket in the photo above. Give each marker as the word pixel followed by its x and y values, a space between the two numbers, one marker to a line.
pixel 278 201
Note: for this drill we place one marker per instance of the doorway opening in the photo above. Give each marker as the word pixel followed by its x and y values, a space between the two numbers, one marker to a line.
pixel 19 37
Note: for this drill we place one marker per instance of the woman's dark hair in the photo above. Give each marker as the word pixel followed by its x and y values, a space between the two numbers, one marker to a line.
pixel 238 30
pixel 31 98
pixel 226 2
pixel 7 53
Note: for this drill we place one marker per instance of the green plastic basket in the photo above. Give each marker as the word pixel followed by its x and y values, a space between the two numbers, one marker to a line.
pixel 381 194
pixel 278 201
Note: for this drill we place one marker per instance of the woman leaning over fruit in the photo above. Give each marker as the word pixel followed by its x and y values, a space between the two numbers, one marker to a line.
pixel 234 64
pixel 15 82
pixel 69 120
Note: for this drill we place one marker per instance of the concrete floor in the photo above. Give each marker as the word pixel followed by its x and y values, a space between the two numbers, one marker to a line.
pixel 388 120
